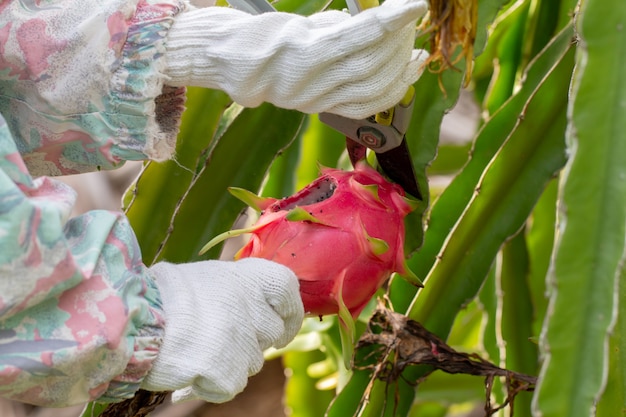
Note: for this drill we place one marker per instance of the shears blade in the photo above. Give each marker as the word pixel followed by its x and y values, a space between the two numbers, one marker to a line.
pixel 398 166
pixel 384 133
pixel 396 163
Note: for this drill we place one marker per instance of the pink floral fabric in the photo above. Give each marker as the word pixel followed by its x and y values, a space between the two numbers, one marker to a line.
pixel 80 89
pixel 81 84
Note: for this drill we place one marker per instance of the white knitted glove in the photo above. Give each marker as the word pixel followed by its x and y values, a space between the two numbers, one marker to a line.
pixel 219 317
pixel 328 62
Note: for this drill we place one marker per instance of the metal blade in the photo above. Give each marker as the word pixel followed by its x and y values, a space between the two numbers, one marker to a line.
pixel 398 166
pixel 356 151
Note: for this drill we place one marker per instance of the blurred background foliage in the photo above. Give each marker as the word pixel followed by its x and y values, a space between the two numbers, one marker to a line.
pixel 520 242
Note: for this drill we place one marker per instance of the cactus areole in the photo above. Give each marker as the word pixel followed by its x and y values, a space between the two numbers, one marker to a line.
pixel 342 235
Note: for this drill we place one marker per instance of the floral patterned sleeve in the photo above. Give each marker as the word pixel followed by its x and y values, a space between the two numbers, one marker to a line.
pixel 80 317
pixel 80 89
pixel 81 82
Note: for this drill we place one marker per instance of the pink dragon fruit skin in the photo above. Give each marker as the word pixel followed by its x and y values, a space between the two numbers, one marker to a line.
pixel 342 235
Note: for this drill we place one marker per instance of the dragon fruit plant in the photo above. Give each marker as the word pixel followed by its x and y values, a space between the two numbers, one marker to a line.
pixel 342 235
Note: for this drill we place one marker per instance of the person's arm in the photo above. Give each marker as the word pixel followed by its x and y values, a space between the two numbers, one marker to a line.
pixel 82 86
pixel 96 83
pixel 80 315
pixel 353 66
pixel 89 84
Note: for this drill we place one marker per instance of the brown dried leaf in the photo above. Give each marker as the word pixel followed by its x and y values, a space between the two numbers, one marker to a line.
pixel 393 341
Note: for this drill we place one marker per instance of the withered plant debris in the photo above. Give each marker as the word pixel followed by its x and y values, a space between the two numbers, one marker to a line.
pixel 141 405
pixel 392 342
pixel 452 28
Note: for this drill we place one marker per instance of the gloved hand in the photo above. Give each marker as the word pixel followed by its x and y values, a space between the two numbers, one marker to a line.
pixel 219 317
pixel 327 62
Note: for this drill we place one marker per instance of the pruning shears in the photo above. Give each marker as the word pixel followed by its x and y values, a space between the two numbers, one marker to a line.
pixel 383 132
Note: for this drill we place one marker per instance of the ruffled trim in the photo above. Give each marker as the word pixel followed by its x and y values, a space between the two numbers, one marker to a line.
pixel 138 88
pixel 147 340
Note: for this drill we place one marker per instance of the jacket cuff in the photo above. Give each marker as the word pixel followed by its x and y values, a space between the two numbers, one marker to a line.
pixel 147 339
pixel 138 86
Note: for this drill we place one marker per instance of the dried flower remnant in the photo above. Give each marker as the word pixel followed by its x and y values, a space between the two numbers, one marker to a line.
pixel 452 25
pixel 393 342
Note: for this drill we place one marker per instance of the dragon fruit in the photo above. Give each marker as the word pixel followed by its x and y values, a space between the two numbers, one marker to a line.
pixel 342 235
